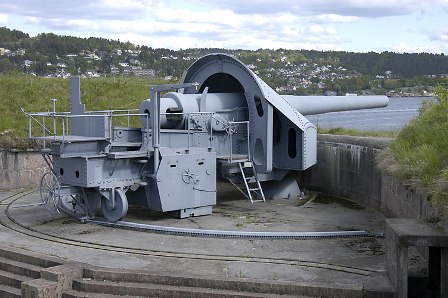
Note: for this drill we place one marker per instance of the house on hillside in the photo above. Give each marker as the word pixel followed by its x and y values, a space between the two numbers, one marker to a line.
pixel 27 63
pixel 4 51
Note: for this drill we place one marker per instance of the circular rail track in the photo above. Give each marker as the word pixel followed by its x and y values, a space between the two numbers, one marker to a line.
pixel 8 221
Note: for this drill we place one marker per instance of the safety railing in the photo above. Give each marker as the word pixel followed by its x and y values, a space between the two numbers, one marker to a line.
pixel 230 127
pixel 56 125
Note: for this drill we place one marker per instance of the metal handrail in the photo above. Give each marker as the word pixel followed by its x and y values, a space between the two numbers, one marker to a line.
pixel 65 116
pixel 111 114
pixel 230 132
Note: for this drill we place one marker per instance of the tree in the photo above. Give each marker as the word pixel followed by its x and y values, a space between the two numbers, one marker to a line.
pixel 6 66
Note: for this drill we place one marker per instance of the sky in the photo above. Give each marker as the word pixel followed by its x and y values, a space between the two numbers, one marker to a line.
pixel 410 26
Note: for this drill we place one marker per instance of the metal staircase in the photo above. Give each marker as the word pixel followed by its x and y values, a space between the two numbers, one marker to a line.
pixel 248 183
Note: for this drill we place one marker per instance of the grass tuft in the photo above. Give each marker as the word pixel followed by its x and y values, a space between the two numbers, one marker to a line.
pixel 419 155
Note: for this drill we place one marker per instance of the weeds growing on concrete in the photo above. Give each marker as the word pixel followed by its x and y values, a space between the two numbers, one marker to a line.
pixel 419 154
pixel 358 133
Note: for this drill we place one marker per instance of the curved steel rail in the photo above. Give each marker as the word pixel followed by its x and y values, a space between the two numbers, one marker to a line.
pixel 234 234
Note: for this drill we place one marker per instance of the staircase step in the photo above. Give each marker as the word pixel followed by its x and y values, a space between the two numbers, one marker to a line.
pixel 251 182
pixel 10 292
pixel 28 257
pixel 19 268
pixel 234 285
pixel 77 294
pixel 12 279
pixel 157 290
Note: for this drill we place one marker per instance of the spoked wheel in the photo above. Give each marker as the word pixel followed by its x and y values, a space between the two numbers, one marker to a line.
pixel 50 191
pixel 120 208
pixel 80 202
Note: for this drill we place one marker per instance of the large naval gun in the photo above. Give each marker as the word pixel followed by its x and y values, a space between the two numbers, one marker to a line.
pixel 221 121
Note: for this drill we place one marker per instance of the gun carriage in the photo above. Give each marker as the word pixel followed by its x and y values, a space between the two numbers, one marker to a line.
pixel 221 121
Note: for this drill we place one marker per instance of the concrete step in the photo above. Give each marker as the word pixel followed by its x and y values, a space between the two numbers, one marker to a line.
pixel 28 257
pixel 157 290
pixel 20 268
pixel 77 294
pixel 234 285
pixel 9 292
pixel 12 279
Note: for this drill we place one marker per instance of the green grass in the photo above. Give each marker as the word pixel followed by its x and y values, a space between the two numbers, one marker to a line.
pixel 419 155
pixel 34 94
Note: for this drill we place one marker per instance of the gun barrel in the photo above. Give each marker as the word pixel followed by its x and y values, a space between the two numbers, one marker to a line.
pixel 311 105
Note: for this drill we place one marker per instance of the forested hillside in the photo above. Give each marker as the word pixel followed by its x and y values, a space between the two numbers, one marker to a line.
pixel 11 37
pixel 403 65
pixel 289 71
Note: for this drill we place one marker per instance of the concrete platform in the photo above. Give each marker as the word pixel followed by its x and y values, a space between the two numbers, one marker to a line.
pixel 356 264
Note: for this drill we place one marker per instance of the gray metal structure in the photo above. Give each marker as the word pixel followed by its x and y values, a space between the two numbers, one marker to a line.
pixel 221 120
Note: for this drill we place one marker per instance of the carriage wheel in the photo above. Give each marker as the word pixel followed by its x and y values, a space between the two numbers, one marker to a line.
pixel 120 208
pixel 50 191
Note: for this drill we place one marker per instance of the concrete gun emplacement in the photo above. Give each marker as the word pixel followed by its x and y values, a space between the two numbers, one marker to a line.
pixel 221 121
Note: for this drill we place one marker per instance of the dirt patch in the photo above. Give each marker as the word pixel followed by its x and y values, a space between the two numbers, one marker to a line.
pixel 369 246
pixel 329 199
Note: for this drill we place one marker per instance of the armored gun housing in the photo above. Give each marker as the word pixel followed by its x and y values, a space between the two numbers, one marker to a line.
pixel 221 121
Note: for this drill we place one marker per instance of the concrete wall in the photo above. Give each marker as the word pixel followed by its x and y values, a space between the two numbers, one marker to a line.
pixel 346 167
pixel 21 169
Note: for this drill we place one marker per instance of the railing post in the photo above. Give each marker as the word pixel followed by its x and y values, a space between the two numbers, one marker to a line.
pixel 63 128
pixel 66 124
pixel 43 131
pixel 29 126
pixel 248 140
pixel 110 125
pixel 54 115
pixel 188 131
pixel 211 131
pixel 231 144
pixel 147 130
